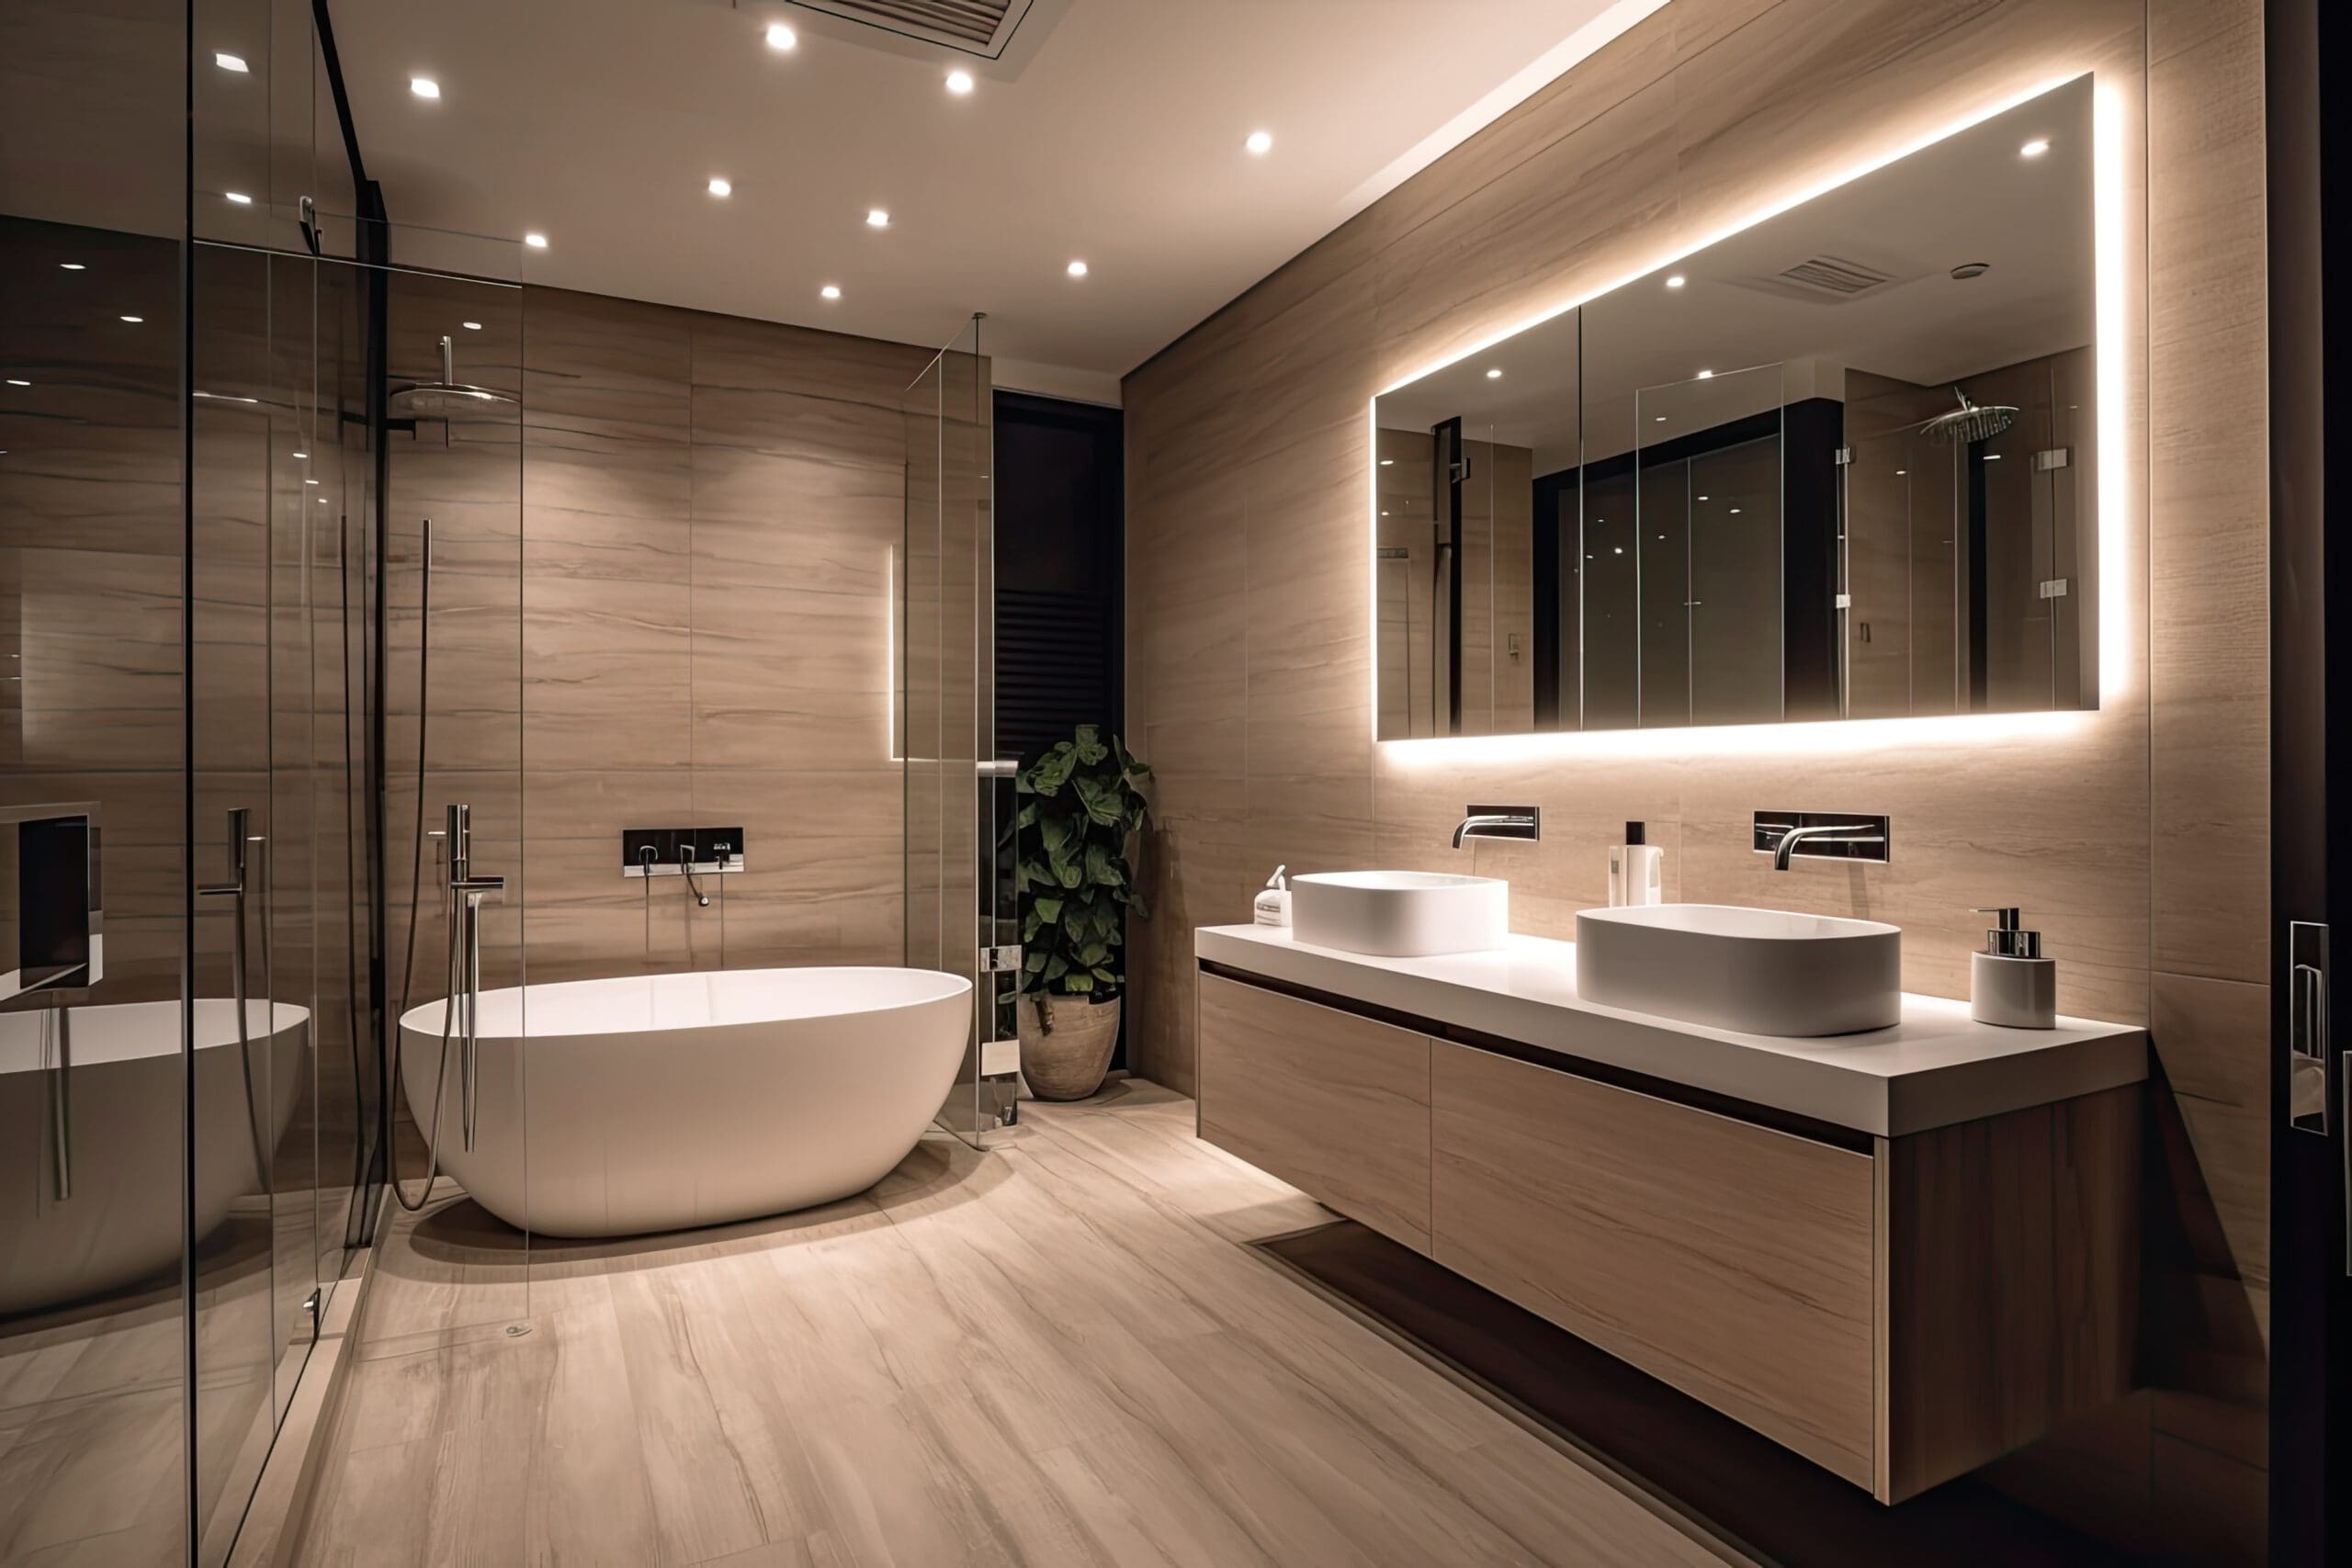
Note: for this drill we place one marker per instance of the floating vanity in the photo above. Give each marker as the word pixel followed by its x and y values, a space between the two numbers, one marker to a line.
pixel 1900 1253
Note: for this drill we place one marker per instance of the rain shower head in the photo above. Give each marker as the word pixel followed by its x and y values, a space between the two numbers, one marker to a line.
pixel 1970 422
pixel 447 398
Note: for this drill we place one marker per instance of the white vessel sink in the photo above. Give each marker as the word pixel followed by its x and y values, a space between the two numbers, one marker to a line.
pixel 1399 914
pixel 1759 971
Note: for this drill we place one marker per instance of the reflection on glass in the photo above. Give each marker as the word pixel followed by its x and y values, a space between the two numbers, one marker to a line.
pixel 1841 466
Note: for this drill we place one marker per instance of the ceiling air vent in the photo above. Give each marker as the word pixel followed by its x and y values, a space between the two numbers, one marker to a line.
pixel 975 27
pixel 1829 275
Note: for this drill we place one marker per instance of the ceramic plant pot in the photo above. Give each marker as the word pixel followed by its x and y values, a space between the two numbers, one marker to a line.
pixel 1068 1063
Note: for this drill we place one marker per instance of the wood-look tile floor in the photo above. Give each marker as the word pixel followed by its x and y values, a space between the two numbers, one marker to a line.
pixel 1058 1352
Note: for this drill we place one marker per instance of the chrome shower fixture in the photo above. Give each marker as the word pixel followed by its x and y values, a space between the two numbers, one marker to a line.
pixel 1970 422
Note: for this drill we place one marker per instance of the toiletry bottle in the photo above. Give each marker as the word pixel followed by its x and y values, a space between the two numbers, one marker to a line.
pixel 2010 983
pixel 1636 870
pixel 1273 906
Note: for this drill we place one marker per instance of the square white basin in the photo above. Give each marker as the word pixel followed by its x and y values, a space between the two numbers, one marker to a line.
pixel 1399 914
pixel 1759 971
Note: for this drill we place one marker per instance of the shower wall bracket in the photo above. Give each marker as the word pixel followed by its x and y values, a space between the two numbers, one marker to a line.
pixel 669 851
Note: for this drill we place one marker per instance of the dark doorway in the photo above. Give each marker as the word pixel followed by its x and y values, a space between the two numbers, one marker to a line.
pixel 1060 570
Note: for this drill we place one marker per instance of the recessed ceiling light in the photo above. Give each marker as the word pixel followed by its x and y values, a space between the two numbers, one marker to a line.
pixel 1260 141
pixel 74 266
pixel 959 82
pixel 239 197
pixel 301 455
pixel 781 37
pixel 1675 282
pixel 1385 462
pixel 470 326
pixel 1620 549
pixel 322 501
pixel 1078 269
pixel 424 86
pixel 1706 375
pixel 830 291
pixel 1734 511
pixel 1496 374
pixel 2035 148
pixel 310 482
pixel 722 188
pixel 536 241
pixel 1660 419
pixel 1992 457
pixel 16 381
pixel 227 62
pixel 1900 472
pixel 134 321
pixel 1702 498
pixel 876 219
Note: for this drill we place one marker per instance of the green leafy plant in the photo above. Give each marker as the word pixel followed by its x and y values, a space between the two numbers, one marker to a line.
pixel 1080 806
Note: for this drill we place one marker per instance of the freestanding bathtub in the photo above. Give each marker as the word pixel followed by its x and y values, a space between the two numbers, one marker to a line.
pixel 118 1220
pixel 662 1102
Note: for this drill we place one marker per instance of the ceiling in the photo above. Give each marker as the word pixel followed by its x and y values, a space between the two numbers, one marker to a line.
pixel 1110 130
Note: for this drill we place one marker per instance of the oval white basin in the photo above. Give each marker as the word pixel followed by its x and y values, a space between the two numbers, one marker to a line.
pixel 1399 914
pixel 1759 971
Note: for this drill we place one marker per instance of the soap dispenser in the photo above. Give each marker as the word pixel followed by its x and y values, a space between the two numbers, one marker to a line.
pixel 1636 870
pixel 2010 983
pixel 1273 905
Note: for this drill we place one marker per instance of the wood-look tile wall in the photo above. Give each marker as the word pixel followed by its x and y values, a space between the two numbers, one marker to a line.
pixel 2136 838
pixel 671 607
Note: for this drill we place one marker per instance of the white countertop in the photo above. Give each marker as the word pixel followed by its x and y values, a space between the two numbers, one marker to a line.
pixel 1937 1067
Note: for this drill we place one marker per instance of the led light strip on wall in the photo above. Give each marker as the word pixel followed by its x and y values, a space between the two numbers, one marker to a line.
pixel 2111 298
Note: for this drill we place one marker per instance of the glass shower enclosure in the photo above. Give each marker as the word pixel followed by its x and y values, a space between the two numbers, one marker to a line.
pixel 960 918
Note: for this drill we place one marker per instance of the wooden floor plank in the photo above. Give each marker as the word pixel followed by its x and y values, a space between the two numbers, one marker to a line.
pixel 1059 1352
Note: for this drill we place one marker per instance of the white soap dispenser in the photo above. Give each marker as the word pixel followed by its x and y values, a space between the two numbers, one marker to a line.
pixel 2010 983
pixel 1636 870
pixel 1273 906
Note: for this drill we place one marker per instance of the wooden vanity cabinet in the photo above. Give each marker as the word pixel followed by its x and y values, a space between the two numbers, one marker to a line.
pixel 1900 1311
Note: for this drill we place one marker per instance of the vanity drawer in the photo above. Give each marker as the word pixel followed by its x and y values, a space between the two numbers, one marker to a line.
pixel 1335 1104
pixel 1732 1260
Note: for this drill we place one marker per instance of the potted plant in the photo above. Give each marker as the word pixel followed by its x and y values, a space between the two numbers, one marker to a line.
pixel 1078 807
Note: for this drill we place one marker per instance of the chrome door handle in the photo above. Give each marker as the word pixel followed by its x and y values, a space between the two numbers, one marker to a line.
pixel 239 838
pixel 61 1104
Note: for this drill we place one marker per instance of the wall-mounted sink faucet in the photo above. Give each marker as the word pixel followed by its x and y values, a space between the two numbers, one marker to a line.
pixel 1500 822
pixel 1823 835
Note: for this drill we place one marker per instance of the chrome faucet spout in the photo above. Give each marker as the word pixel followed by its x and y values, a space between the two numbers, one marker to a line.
pixel 1795 836
pixel 1509 822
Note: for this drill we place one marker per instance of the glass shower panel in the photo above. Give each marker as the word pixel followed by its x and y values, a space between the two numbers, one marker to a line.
pixel 956 871
pixel 92 1335
pixel 453 595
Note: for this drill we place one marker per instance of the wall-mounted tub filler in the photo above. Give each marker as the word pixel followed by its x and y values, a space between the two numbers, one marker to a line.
pixel 682 851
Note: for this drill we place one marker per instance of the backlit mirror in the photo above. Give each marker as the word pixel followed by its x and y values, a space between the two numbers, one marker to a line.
pixel 1836 465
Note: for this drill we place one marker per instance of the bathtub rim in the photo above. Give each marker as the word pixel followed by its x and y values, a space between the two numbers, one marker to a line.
pixel 424 1019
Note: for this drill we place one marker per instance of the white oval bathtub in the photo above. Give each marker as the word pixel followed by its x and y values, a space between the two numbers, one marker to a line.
pixel 663 1102
pixel 120 1222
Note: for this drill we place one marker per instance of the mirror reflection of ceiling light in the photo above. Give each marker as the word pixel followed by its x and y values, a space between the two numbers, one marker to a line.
pixel 959 82
pixel 781 37
pixel 227 62
pixel 424 86
pixel 1386 462
pixel 470 326
pixel 1259 143
pixel 238 198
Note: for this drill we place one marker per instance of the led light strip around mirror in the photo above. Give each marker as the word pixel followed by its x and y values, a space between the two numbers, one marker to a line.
pixel 1841 734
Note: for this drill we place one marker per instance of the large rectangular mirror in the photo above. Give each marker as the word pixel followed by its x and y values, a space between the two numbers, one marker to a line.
pixel 1836 465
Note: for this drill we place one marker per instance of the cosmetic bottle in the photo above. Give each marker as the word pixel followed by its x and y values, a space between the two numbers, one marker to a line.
pixel 2010 983
pixel 1636 870
pixel 1273 906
